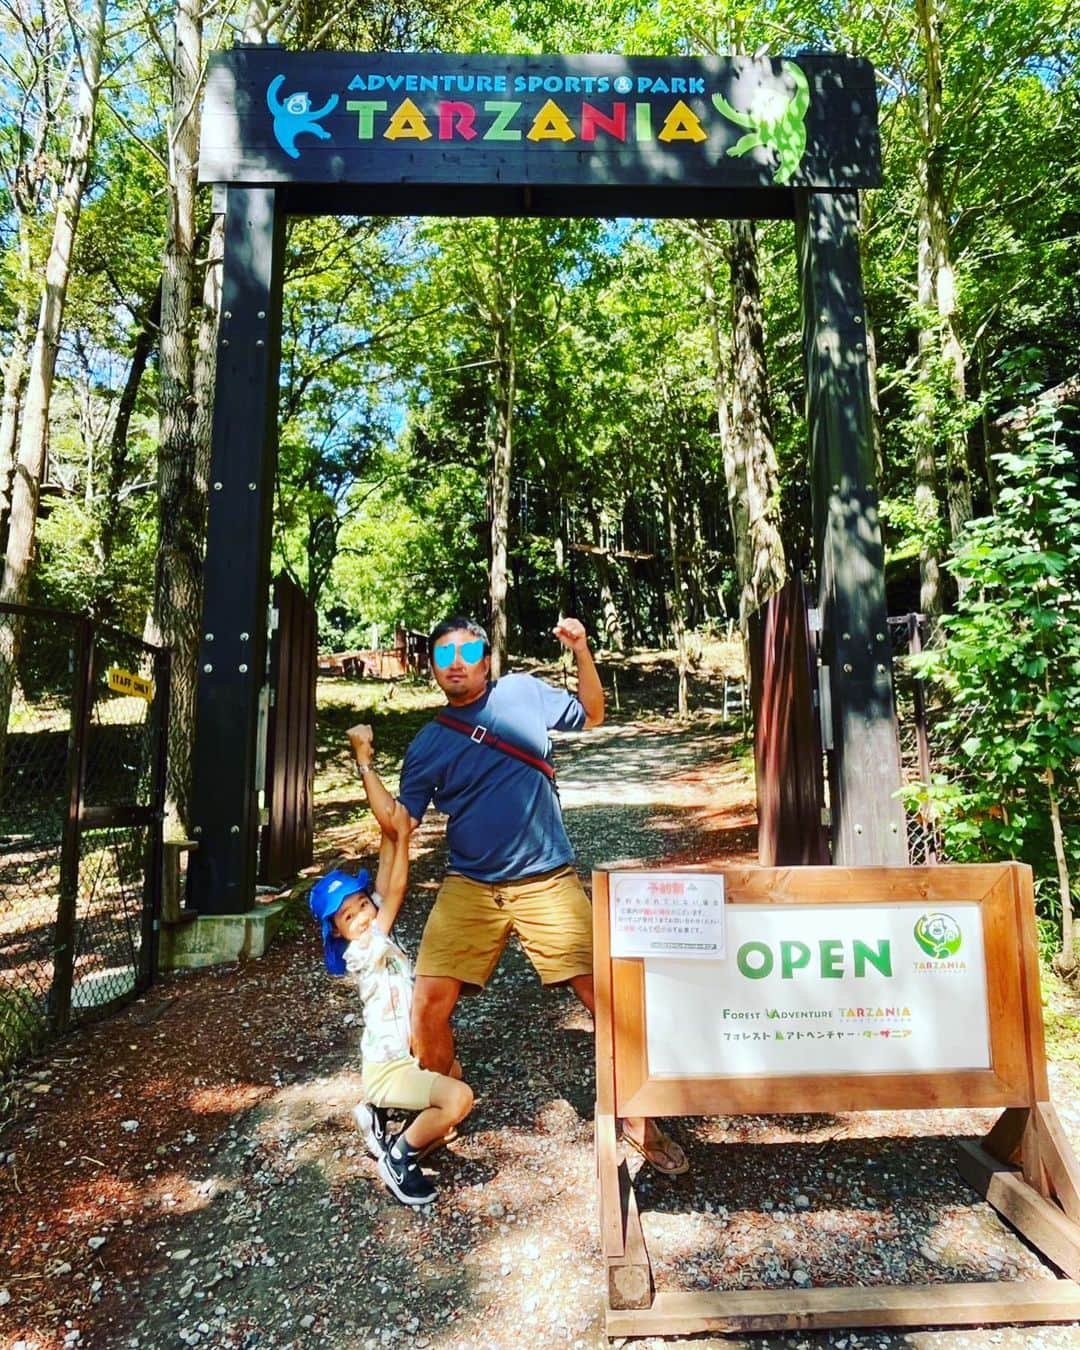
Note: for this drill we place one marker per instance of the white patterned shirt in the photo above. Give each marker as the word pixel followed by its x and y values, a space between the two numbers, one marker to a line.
pixel 384 977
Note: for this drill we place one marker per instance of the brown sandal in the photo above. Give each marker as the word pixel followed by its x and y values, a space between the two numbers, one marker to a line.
pixel 663 1153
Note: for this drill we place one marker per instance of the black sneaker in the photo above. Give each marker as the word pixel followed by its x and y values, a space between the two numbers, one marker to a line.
pixel 447 1138
pixel 371 1122
pixel 405 1179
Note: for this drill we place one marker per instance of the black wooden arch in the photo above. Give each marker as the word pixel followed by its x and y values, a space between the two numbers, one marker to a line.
pixel 439 134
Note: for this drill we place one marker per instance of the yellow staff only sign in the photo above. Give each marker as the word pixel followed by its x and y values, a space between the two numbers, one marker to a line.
pixel 124 682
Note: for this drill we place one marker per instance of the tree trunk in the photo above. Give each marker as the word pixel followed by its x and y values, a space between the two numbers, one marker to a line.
pixel 562 554
pixel 33 432
pixel 700 606
pixel 875 403
pixel 721 353
pixel 181 496
pixel 1005 431
pixel 14 385
pixel 118 447
pixel 259 18
pixel 26 186
pixel 675 598
pixel 501 451
pixel 927 510
pixel 206 352
pixel 1065 961
pixel 871 350
pixel 630 590
pixel 614 637
pixel 612 622
pixel 937 280
pixel 750 453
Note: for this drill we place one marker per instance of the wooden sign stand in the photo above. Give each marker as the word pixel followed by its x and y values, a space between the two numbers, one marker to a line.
pixel 1024 1167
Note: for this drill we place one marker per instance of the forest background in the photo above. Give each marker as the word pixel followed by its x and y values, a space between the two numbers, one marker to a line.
pixel 527 418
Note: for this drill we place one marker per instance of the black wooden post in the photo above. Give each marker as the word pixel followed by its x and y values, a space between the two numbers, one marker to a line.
pixel 232 652
pixel 66 931
pixel 867 820
pixel 153 881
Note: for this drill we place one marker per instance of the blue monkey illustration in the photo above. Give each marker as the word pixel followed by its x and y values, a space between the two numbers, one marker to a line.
pixel 295 115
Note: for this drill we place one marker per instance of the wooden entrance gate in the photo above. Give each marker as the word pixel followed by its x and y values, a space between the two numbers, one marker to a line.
pixel 288 133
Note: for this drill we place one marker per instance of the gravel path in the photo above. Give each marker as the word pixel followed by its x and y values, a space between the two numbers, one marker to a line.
pixel 187 1174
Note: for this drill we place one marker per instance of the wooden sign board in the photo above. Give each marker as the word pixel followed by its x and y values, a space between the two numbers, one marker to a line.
pixel 603 122
pixel 841 989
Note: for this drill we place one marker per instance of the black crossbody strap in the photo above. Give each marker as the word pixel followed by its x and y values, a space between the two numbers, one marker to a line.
pixel 482 736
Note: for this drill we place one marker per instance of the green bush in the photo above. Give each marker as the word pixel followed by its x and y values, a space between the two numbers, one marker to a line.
pixel 1009 664
pixel 22 1026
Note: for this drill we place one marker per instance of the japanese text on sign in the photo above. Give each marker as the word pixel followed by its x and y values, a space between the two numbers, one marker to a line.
pixel 667 914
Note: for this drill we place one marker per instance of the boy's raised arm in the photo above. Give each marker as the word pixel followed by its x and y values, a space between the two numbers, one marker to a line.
pixel 393 878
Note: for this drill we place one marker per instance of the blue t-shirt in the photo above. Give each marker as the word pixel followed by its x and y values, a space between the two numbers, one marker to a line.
pixel 505 821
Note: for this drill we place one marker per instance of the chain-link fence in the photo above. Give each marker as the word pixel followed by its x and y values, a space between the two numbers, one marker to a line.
pixel 84 708
pixel 910 634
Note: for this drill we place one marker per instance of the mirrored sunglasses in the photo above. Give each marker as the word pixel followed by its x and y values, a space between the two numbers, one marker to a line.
pixel 471 652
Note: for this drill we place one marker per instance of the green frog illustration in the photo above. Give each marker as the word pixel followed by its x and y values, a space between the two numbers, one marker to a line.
pixel 775 121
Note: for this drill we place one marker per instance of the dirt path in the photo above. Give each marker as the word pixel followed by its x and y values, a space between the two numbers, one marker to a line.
pixel 187 1174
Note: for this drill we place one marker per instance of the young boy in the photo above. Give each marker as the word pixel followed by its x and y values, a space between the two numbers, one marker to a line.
pixel 356 923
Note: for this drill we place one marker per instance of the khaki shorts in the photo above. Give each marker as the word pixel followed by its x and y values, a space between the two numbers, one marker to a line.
pixel 398 1082
pixel 471 921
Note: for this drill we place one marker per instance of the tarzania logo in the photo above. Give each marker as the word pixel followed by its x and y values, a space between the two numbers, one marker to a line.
pixel 938 935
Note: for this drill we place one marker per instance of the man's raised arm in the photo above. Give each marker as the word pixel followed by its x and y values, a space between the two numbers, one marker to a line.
pixel 571 633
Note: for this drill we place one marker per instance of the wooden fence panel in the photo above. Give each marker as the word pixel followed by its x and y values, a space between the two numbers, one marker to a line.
pixel 288 835
pixel 787 737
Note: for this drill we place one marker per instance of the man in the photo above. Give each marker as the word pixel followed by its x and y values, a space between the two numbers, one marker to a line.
pixel 485 762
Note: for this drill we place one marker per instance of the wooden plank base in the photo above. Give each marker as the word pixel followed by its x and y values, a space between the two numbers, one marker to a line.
pixel 927 1305
pixel 1058 1160
pixel 630 1279
pixel 1044 1225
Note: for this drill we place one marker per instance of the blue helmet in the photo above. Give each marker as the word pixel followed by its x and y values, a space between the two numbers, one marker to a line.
pixel 326 897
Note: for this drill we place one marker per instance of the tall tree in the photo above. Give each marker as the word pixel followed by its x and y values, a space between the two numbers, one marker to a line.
pixel 1011 662
pixel 509 279
pixel 34 429
pixel 742 383
pixel 749 448
pixel 941 353
pixel 181 493
pixel 33 83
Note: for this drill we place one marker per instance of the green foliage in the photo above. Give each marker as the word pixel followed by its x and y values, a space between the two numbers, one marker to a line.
pixel 73 572
pixel 1010 663
pixel 408 554
pixel 1062 1030
pixel 935 415
pixel 613 397
pixel 387 378
pixel 22 1026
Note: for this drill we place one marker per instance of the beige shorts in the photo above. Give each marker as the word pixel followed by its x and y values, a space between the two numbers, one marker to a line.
pixel 398 1082
pixel 471 921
